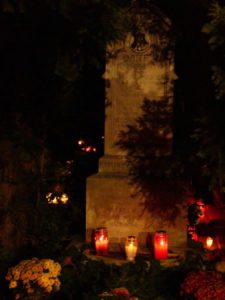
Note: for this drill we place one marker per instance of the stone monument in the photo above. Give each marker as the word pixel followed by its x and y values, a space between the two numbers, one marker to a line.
pixel 131 75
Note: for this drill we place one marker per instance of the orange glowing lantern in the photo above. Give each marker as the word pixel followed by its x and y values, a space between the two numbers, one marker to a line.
pixel 209 242
pixel 57 196
pixel 131 246
pixel 161 245
pixel 64 198
pixel 101 241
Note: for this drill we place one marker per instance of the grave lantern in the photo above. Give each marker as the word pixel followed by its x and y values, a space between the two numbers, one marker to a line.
pixel 209 242
pixel 131 246
pixel 64 198
pixel 192 233
pixel 161 245
pixel 57 196
pixel 101 241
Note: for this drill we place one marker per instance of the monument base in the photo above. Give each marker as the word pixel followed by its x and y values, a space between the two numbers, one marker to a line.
pixel 110 202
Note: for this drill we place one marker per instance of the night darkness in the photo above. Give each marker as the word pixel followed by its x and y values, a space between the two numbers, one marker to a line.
pixel 52 95
pixel 33 88
pixel 31 82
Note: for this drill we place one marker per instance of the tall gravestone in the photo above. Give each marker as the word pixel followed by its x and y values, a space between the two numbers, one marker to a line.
pixel 131 75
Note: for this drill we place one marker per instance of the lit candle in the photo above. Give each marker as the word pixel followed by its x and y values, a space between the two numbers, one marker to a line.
pixel 161 245
pixel 131 247
pixel 209 242
pixel 64 198
pixel 54 201
pixel 101 241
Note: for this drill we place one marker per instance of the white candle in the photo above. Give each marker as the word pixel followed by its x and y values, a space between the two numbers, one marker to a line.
pixel 209 242
pixel 131 248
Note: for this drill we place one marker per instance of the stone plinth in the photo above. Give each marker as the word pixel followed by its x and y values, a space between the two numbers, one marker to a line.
pixel 119 260
pixel 132 76
pixel 110 204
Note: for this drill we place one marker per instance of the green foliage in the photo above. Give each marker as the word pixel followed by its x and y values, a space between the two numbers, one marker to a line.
pixel 215 29
pixel 194 213
pixel 154 123
pixel 7 257
pixel 145 279
pixel 90 26
pixel 85 278
pixel 209 135
pixel 209 132
pixel 157 174
pixel 48 231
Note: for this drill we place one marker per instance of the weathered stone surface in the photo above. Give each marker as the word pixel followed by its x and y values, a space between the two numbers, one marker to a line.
pixel 110 204
pixel 132 76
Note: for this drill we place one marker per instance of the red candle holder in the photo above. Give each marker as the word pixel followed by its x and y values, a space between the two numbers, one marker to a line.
pixel 192 233
pixel 101 241
pixel 161 245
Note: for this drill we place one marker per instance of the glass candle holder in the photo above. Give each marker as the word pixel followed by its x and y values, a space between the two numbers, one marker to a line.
pixel 209 243
pixel 101 241
pixel 192 233
pixel 131 246
pixel 161 245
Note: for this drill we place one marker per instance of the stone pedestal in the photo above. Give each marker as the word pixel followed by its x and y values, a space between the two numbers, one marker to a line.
pixel 131 76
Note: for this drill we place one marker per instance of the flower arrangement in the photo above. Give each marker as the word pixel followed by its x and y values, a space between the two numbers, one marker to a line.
pixel 208 285
pixel 121 291
pixel 220 266
pixel 118 293
pixel 33 278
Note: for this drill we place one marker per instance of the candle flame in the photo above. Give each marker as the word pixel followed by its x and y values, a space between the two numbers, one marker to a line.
pixel 161 242
pixel 55 201
pixel 209 242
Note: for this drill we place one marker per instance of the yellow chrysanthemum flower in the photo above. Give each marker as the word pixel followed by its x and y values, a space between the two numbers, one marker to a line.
pixel 30 291
pixel 25 281
pixel 57 284
pixel 48 289
pixel 220 266
pixel 12 284
pixel 34 273
pixel 8 277
pixel 34 276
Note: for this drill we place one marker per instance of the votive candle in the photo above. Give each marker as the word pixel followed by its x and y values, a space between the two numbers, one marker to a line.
pixel 131 248
pixel 161 245
pixel 101 241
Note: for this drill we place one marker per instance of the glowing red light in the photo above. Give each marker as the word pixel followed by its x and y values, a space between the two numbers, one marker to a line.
pixel 89 149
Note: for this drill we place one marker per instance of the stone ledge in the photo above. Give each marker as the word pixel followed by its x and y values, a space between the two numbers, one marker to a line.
pixel 119 260
pixel 113 164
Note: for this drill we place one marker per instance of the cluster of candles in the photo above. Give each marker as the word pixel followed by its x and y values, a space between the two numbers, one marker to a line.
pixel 208 241
pixel 160 241
pixel 57 198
